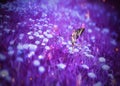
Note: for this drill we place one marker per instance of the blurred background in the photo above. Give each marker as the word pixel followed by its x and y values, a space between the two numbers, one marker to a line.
pixel 36 48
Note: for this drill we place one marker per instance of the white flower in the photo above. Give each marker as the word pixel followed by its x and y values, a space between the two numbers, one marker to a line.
pixel 105 67
pixel 105 31
pixel 61 65
pixel 76 50
pixel 32 47
pixel 91 75
pixel 25 46
pixel 49 35
pixel 31 54
pixel 85 66
pixel 21 36
pixel 41 57
pixel 102 59
pixel 69 42
pixel 113 42
pixel 4 73
pixel 31 37
pixel 47 47
pixel 89 31
pixel 45 40
pixel 41 36
pixel 29 33
pixel 36 63
pixel 37 42
pixel 98 84
pixel 41 69
pixel 36 34
pixel 43 43
pixel 19 59
pixel 11 52
pixel 19 46
pixel 2 57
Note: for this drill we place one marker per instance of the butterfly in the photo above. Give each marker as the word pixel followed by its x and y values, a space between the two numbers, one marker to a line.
pixel 75 35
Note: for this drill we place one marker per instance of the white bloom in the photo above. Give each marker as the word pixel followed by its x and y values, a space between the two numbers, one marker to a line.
pixel 29 33
pixel 21 36
pixel 19 59
pixel 49 35
pixel 11 52
pixel 113 42
pixel 36 63
pixel 2 57
pixel 45 40
pixel 105 67
pixel 37 42
pixel 0 34
pixel 61 65
pixel 88 55
pixel 43 43
pixel 41 36
pixel 76 50
pixel 31 37
pixel 31 54
pixel 89 31
pixel 41 69
pixel 41 57
pixel 47 47
pixel 4 73
pixel 36 34
pixel 25 46
pixel 85 66
pixel 105 31
pixel 19 46
pixel 69 42
pixel 102 59
pixel 91 75
pixel 11 42
pixel 98 84
pixel 32 47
